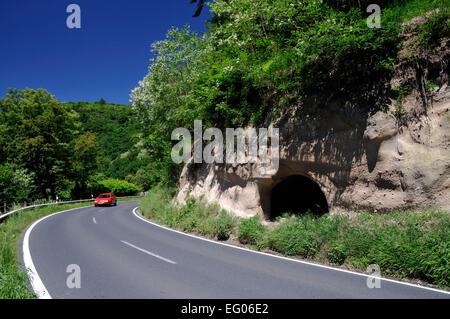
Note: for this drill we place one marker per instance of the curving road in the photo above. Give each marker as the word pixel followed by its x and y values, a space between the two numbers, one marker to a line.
pixel 120 255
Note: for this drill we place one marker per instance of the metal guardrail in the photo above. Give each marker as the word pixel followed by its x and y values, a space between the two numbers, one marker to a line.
pixel 5 216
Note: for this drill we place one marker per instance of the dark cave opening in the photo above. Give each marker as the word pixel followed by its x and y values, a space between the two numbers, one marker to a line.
pixel 297 195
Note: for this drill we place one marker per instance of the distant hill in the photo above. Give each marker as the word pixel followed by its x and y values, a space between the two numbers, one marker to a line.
pixel 121 153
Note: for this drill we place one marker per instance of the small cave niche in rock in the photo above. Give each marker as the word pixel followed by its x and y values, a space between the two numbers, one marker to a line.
pixel 297 195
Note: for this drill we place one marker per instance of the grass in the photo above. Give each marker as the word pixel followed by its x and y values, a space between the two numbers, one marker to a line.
pixel 436 27
pixel 13 278
pixel 399 11
pixel 403 244
pixel 407 244
pixel 252 232
pixel 195 216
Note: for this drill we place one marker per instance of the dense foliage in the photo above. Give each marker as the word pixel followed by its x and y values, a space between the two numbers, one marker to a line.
pixel 261 56
pixel 117 134
pixel 16 184
pixel 50 148
pixel 36 134
pixel 118 187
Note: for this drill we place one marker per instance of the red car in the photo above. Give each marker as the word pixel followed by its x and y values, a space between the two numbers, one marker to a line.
pixel 105 199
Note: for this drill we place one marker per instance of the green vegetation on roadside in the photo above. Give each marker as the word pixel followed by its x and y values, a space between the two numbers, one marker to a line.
pixel 195 216
pixel 252 232
pixel 404 244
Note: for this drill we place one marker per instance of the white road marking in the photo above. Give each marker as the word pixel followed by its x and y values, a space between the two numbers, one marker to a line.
pixel 36 282
pixel 95 221
pixel 289 259
pixel 149 253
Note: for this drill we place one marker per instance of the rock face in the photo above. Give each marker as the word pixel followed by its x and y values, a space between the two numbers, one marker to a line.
pixel 380 159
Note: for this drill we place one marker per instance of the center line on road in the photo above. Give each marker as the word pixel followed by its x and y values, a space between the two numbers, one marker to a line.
pixel 93 218
pixel 149 253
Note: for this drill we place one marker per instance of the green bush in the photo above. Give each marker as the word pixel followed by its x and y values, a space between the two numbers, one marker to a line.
pixel 195 216
pixel 437 26
pixel 337 253
pixel 141 179
pixel 251 231
pixel 185 217
pixel 156 202
pixel 224 225
pixel 118 187
pixel 16 185
pixel 295 236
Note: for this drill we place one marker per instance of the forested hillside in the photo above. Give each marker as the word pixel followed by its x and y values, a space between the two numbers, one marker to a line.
pixel 120 151
pixel 70 150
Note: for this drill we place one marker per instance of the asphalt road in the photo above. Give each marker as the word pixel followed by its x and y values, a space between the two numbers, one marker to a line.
pixel 122 256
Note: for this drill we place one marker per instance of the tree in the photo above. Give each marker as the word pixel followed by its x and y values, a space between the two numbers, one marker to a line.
pixel 16 185
pixel 163 99
pixel 35 134
pixel 141 179
pixel 7 185
pixel 84 161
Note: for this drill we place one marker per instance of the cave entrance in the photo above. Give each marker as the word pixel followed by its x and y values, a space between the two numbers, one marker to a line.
pixel 297 195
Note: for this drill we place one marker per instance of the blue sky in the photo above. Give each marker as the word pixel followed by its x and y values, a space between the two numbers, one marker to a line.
pixel 104 59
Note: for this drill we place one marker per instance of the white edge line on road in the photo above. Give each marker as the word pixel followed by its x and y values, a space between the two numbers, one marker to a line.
pixel 94 220
pixel 289 259
pixel 36 282
pixel 149 253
